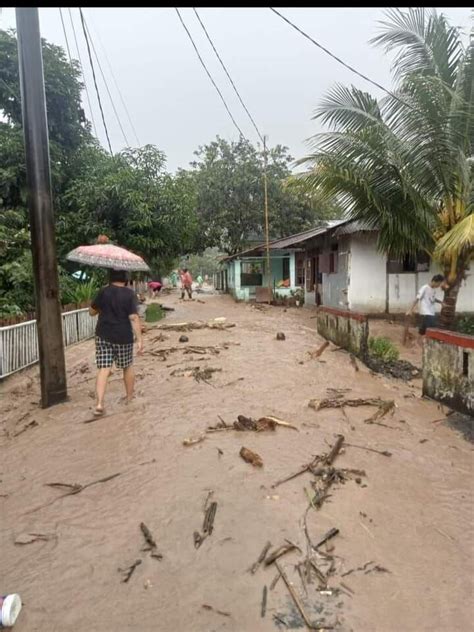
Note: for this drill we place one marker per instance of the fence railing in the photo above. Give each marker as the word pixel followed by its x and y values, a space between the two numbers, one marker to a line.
pixel 19 343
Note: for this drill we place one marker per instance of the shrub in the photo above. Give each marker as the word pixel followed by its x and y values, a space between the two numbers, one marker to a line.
pixel 465 325
pixel 383 348
pixel 153 313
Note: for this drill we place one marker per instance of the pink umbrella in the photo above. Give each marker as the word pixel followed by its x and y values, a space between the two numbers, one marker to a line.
pixel 105 255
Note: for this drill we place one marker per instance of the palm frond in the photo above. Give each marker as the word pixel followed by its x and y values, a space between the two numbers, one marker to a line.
pixel 348 109
pixel 459 239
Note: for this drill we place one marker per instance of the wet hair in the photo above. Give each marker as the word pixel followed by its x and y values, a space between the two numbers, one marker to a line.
pixel 118 276
pixel 438 278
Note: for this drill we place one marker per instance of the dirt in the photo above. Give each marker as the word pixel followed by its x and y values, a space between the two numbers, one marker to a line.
pixel 411 517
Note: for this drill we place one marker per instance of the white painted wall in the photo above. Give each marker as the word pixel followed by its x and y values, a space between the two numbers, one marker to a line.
pixel 367 275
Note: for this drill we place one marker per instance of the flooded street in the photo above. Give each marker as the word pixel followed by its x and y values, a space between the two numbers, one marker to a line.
pixel 410 516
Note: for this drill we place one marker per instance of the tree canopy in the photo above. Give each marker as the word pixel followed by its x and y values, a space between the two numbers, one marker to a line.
pixel 404 163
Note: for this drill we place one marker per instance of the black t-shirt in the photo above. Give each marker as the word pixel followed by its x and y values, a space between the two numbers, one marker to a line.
pixel 115 304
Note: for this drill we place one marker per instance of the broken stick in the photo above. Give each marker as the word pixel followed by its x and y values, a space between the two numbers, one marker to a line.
pixel 253 569
pixel 264 602
pixel 296 599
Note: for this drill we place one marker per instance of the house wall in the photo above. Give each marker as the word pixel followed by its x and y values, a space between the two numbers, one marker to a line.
pixel 367 274
pixel 448 369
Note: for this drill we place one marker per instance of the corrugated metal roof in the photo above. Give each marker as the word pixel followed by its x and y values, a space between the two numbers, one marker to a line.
pixel 355 226
pixel 288 242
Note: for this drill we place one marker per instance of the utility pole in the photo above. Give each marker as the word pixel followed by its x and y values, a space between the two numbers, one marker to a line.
pixel 43 245
pixel 267 238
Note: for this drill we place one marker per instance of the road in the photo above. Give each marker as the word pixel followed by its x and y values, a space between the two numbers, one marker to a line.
pixel 410 516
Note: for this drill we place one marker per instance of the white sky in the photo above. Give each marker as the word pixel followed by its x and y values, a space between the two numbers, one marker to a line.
pixel 280 75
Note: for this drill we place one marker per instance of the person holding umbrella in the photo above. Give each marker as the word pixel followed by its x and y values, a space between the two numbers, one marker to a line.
pixel 118 320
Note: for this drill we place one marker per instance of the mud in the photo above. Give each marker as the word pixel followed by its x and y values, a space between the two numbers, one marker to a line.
pixel 412 515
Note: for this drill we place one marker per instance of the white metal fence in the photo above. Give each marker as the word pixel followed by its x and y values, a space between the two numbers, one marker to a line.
pixel 19 343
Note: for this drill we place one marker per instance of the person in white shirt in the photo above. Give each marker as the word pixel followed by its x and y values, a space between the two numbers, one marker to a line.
pixel 426 298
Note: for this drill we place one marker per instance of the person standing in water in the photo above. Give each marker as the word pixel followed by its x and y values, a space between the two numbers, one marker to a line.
pixel 118 320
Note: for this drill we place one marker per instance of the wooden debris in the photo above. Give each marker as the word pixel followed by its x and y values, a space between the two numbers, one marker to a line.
pixel 32 424
pixel 278 552
pixel 198 539
pixel 149 539
pixel 384 405
pixel 221 612
pixel 251 457
pixel 280 336
pixel 263 609
pixel 193 441
pixel 275 581
pixel 239 379
pixel 198 373
pixel 128 572
pixel 354 362
pixel 310 467
pixel 319 351
pixel 217 323
pixel 72 489
pixel 29 538
pixel 208 525
pixel 253 569
pixel 330 534
pixel 297 600
pixel 361 447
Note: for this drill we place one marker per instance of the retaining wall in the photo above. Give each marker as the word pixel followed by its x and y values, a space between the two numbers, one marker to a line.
pixel 448 369
pixel 349 330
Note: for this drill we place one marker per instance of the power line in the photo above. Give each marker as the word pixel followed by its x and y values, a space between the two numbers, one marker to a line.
pixel 95 80
pixel 118 89
pixel 228 75
pixel 65 34
pixel 82 73
pixel 328 52
pixel 107 86
pixel 208 73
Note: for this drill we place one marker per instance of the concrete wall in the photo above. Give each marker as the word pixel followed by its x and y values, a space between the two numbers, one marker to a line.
pixel 448 369
pixel 403 288
pixel 367 275
pixel 349 330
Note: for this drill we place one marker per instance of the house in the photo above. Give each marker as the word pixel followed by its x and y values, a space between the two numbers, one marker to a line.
pixel 344 269
pixel 245 276
pixel 338 265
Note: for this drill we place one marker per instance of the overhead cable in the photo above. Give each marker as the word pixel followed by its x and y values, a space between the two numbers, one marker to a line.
pixel 95 80
pixel 106 85
pixel 65 34
pixel 208 73
pixel 82 73
pixel 328 52
pixel 228 75
pixel 117 87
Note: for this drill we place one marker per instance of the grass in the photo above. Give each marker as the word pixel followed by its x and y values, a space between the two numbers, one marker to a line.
pixel 383 348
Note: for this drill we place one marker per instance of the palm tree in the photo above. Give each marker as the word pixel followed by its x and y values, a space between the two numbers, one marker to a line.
pixel 404 164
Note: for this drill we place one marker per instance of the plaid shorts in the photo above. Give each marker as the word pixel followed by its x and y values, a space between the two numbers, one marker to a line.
pixel 106 353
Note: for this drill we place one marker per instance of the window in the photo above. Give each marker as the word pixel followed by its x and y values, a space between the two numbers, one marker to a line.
pixel 286 268
pixel 409 263
pixel 333 259
pixel 251 273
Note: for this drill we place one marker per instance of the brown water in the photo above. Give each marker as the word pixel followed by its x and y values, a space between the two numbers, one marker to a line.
pixel 417 504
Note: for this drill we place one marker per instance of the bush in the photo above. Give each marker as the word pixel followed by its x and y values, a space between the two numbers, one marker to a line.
pixel 465 325
pixel 383 348
pixel 153 313
pixel 80 291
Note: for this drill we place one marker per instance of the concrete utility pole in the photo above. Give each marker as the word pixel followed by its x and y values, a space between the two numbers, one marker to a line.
pixel 35 128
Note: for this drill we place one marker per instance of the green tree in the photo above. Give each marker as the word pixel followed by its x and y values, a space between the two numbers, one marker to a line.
pixel 228 178
pixel 404 164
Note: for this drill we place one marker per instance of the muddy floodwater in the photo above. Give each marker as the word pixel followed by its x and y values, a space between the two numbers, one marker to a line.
pixel 402 559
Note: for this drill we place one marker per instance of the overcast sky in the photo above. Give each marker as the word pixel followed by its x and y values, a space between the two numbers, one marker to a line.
pixel 280 75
